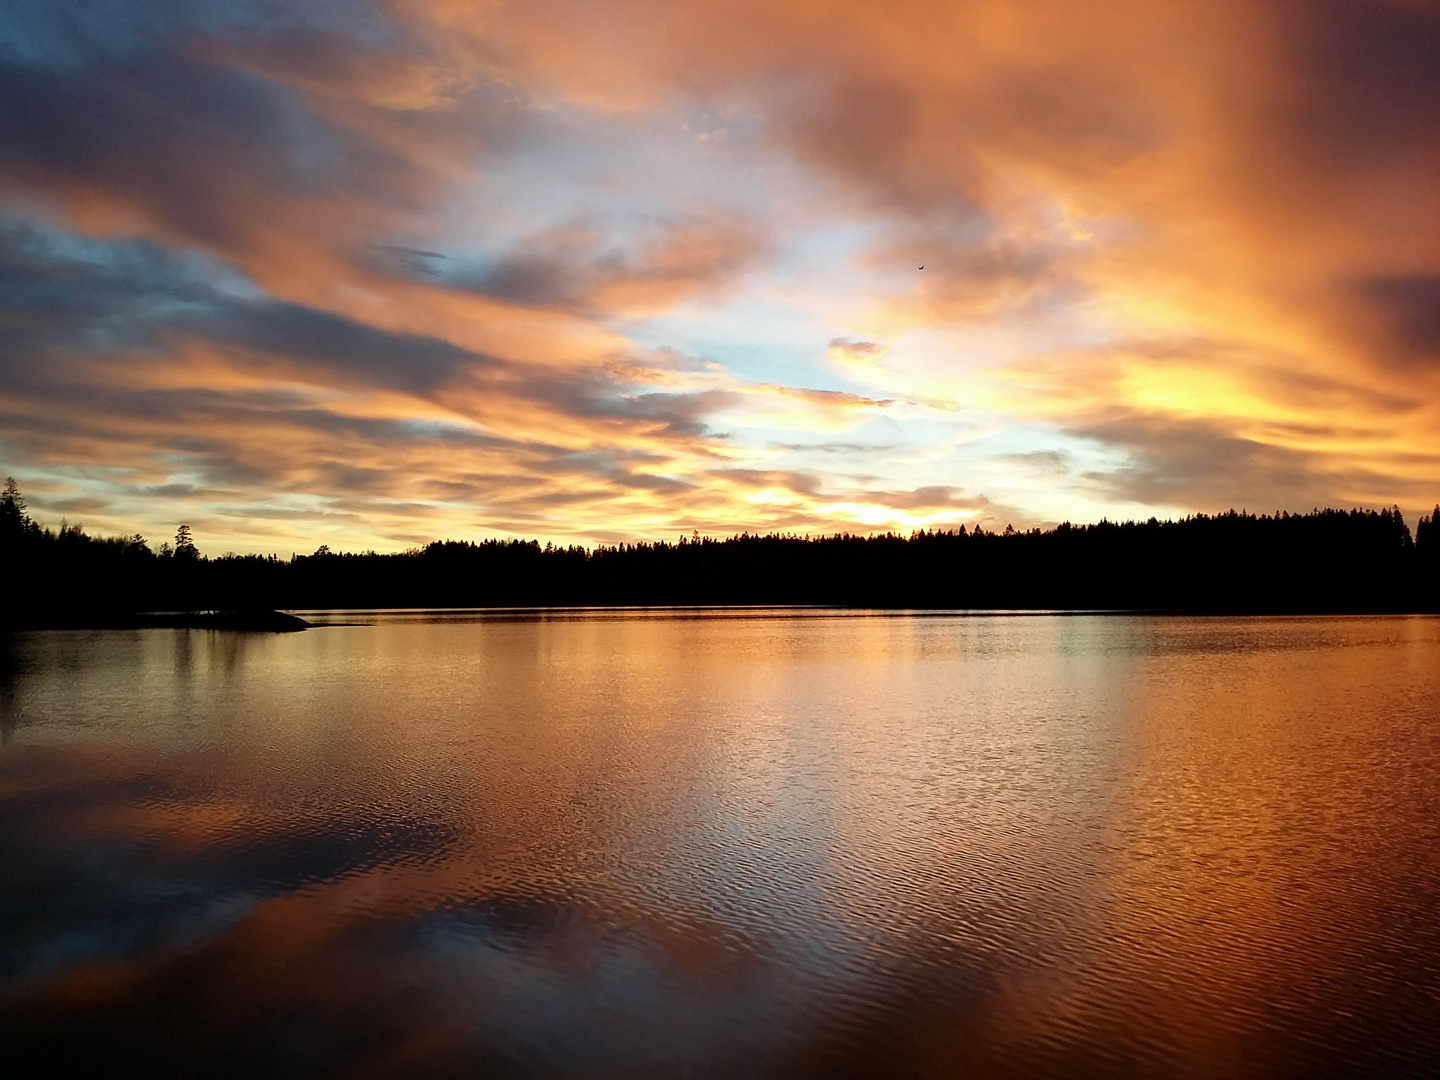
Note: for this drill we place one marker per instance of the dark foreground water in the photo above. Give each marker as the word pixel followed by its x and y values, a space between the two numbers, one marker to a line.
pixel 730 846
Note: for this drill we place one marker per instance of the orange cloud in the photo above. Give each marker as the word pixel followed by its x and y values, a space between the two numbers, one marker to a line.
pixel 472 267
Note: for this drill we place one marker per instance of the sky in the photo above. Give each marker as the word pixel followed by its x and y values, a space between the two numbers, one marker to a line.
pixel 368 274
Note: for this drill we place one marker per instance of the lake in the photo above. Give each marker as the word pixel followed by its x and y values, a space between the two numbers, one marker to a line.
pixel 723 844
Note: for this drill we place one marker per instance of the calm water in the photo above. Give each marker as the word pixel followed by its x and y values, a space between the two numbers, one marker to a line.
pixel 743 845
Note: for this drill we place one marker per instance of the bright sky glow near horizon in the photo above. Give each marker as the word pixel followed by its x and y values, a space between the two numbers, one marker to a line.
pixel 369 274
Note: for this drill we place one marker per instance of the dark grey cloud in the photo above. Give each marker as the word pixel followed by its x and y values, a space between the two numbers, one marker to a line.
pixel 801 483
pixel 65 34
pixel 308 338
pixel 82 505
pixel 197 148
pixel 850 448
pixel 1409 309
pixel 933 497
pixel 59 294
pixel 1043 462
pixel 59 291
pixel 1207 467
pixel 581 265
pixel 1370 75
pixel 232 128
pixel 930 497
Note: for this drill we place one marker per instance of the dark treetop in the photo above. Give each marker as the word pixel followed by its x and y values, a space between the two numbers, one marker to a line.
pixel 1323 561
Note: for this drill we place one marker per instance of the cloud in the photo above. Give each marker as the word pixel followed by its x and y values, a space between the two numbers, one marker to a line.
pixel 1207 130
pixel 786 499
pixel 1204 467
pixel 1043 462
pixel 200 392
pixel 121 352
pixel 1409 309
pixel 584 266
pixel 855 355
pixel 417 266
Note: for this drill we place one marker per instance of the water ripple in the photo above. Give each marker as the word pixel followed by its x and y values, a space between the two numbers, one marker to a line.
pixel 750 846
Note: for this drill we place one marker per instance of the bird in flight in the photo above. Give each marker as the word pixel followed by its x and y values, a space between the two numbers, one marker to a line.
pixel 922 268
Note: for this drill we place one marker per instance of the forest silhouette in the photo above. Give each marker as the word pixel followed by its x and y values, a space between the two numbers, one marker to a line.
pixel 1326 561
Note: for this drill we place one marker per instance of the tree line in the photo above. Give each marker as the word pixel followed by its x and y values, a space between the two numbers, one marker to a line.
pixel 1322 561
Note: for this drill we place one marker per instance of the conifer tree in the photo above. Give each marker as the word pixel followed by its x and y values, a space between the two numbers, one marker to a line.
pixel 184 545
pixel 12 506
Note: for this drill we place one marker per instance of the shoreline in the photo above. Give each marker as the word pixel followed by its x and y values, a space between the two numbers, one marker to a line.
pixel 277 621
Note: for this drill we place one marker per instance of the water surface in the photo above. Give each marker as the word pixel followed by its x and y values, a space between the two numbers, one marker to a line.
pixel 741 844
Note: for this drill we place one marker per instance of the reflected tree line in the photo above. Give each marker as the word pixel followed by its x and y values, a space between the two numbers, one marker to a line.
pixel 1323 561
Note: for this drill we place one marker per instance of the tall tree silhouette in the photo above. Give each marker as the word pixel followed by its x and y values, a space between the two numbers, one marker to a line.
pixel 185 545
pixel 13 514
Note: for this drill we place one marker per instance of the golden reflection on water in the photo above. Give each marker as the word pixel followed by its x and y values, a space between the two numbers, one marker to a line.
pixel 750 845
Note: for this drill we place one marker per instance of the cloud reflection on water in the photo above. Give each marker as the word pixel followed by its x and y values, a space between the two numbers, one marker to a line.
pixel 744 846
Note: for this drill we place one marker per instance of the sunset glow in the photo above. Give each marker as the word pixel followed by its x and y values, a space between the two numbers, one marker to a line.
pixel 372 274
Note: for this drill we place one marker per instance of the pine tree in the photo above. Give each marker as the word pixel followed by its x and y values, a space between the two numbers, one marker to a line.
pixel 185 546
pixel 14 517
